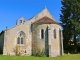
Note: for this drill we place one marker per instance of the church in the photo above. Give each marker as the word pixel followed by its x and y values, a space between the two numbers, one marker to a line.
pixel 41 33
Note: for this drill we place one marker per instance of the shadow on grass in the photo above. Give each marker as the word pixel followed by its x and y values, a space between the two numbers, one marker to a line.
pixel 71 52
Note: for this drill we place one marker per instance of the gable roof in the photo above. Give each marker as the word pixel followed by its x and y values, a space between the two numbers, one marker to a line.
pixel 46 20
pixel 43 17
pixel 44 12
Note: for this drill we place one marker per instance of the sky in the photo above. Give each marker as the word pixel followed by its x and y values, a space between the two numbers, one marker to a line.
pixel 12 10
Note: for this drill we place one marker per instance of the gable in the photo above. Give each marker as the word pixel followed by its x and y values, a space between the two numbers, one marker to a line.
pixel 43 13
pixel 20 21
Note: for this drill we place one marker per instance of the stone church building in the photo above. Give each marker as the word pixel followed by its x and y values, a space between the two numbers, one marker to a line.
pixel 41 32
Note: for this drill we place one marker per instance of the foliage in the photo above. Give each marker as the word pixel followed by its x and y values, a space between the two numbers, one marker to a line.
pixel 40 53
pixel 70 20
pixel 17 50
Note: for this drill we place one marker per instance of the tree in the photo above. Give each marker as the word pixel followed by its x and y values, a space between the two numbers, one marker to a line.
pixel 70 20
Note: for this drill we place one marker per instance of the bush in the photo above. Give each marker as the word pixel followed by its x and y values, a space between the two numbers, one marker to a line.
pixel 17 50
pixel 40 53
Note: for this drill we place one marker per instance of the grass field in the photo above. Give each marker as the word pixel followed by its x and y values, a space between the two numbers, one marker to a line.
pixel 65 57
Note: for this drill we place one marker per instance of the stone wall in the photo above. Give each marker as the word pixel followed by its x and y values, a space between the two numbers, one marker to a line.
pixel 11 39
pixel 38 43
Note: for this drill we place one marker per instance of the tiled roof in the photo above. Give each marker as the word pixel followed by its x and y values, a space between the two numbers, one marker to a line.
pixel 46 20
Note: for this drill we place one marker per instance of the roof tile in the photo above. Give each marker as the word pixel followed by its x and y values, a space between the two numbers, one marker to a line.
pixel 45 19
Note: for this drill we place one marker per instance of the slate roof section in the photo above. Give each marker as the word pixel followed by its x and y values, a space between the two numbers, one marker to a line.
pixel 46 20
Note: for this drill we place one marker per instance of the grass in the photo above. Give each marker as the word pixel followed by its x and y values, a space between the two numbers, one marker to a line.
pixel 65 57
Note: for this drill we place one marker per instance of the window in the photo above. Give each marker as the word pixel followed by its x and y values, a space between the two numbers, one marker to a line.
pixel 21 38
pixel 20 21
pixel 42 34
pixel 54 32
pixel 18 40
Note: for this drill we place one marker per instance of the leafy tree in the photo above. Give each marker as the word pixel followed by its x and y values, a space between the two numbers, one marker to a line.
pixel 70 20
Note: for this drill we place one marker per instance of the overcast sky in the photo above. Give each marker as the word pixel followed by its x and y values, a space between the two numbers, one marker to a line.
pixel 11 10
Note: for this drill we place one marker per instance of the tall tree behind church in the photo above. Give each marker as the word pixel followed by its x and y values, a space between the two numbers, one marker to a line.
pixel 70 20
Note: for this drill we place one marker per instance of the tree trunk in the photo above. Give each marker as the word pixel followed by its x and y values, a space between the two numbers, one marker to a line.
pixel 75 45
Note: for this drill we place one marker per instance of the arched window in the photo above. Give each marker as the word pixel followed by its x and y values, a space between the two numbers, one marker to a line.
pixel 21 38
pixel 18 40
pixel 54 32
pixel 42 34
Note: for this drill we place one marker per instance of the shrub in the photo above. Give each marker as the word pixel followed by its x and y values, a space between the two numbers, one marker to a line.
pixel 17 50
pixel 40 53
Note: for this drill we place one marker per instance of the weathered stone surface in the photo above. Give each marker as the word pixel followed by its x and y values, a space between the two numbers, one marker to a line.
pixel 32 40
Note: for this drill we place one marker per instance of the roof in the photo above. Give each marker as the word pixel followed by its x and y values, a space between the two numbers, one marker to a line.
pixel 46 20
pixel 44 12
pixel 1 32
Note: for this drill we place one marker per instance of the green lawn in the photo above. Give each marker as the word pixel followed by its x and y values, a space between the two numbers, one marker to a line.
pixel 65 57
